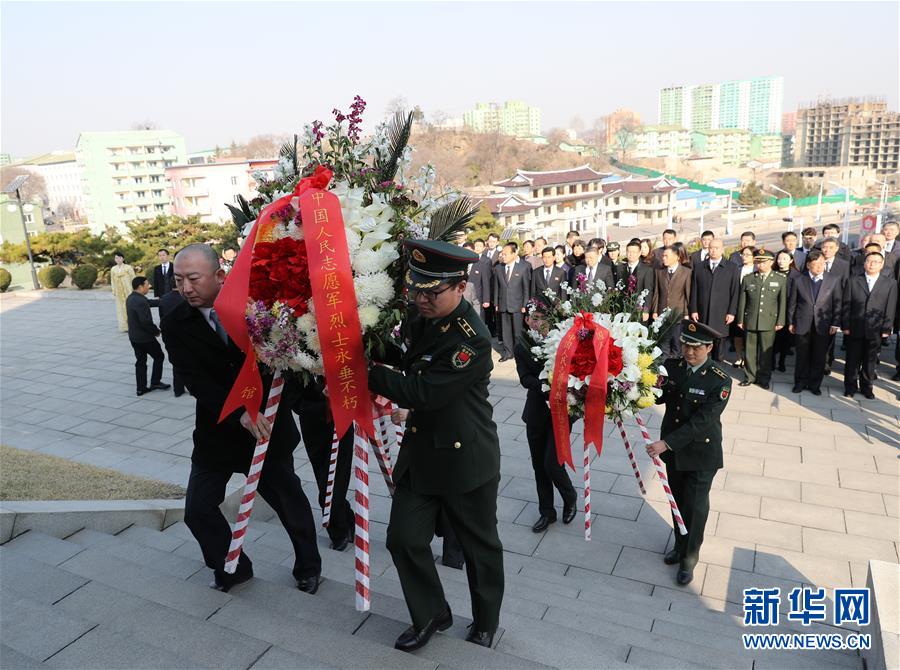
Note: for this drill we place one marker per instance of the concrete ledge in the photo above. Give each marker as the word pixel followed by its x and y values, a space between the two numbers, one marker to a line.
pixel 884 583
pixel 61 518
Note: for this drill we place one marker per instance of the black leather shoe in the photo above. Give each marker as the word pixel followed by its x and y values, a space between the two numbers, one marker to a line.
pixel 223 581
pixel 141 392
pixel 869 396
pixel 684 577
pixel 816 391
pixel 781 367
pixel 744 383
pixel 541 524
pixel 764 387
pixel 797 389
pixel 309 584
pixel 178 394
pixel 671 558
pixel 160 387
pixel 569 512
pixel 849 394
pixel 342 543
pixel 412 639
pixel 480 637
pixel 827 372
pixel 896 377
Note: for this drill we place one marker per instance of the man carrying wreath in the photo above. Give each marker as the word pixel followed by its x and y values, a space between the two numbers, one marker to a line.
pixel 449 462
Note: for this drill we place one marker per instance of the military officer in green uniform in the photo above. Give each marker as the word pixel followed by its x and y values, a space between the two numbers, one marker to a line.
pixel 762 307
pixel 449 462
pixel 695 394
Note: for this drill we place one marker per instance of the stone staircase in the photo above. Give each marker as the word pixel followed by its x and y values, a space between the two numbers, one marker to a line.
pixel 139 599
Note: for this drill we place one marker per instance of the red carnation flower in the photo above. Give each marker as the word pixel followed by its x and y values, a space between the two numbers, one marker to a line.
pixel 614 358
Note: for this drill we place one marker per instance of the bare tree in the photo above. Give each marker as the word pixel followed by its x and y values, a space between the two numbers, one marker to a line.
pixel 35 187
pixel 147 124
pixel 439 116
pixel 396 104
pixel 624 139
pixel 599 132
pixel 262 146
pixel 576 124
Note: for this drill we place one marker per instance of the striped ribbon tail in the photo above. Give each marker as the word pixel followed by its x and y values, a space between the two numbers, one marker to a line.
pixel 587 492
pixel 382 451
pixel 329 488
pixel 361 508
pixel 631 459
pixel 661 471
pixel 256 466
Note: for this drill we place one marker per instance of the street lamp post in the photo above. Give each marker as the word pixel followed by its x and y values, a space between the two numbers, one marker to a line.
pixel 819 204
pixel 790 228
pixel 13 187
pixel 728 222
pixel 882 201
pixel 702 210
pixel 845 229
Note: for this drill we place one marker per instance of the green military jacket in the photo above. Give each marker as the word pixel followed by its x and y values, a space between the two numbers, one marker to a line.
pixel 450 444
pixel 692 425
pixel 763 301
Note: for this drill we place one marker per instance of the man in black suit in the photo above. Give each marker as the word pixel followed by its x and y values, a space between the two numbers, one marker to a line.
pixel 480 278
pixel 644 277
pixel 512 290
pixel 164 286
pixel 832 231
pixel 869 308
pixel 142 334
pixel 809 236
pixel 840 268
pixel 702 253
pixel 669 237
pixel 163 276
pixel 490 257
pixel 715 287
pixel 548 276
pixel 593 270
pixel 789 243
pixel 748 239
pixel 209 363
pixel 814 315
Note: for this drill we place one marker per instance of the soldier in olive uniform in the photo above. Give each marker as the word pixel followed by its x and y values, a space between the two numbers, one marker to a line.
pixel 449 461
pixel 762 307
pixel 695 395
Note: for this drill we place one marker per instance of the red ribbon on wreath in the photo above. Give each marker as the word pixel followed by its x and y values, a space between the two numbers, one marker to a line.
pixel 584 349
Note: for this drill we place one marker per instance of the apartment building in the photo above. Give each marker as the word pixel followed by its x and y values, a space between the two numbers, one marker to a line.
pixel 513 117
pixel 852 132
pixel 621 118
pixel 123 174
pixel 660 142
pixel 203 189
pixel 749 104
pixel 726 146
pixel 63 178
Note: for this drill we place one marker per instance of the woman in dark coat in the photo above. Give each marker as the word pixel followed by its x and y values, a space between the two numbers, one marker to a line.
pixel 784 341
pixel 548 473
pixel 575 259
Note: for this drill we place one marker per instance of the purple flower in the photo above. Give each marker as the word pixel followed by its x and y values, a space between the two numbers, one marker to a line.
pixel 317 130
pixel 632 284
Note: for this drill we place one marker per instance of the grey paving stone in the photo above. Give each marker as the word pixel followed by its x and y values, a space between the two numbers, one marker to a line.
pixel 42 583
pixel 137 580
pixel 43 548
pixel 36 629
pixel 15 660
pixel 192 638
pixel 447 649
pixel 314 641
pixel 105 649
pixel 277 658
pixel 594 555
pixel 557 645
pixel 151 538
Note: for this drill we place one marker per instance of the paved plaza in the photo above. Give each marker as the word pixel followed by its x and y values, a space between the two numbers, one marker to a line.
pixel 808 495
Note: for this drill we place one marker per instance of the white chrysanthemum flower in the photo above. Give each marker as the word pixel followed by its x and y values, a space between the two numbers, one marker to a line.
pixel 366 261
pixel 631 373
pixel 374 289
pixel 312 341
pixel 353 242
pixel 566 307
pixel 634 393
pixel 596 299
pixel 306 322
pixel 368 316
pixel 304 361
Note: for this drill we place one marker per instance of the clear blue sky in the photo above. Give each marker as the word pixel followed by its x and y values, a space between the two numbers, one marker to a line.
pixel 215 71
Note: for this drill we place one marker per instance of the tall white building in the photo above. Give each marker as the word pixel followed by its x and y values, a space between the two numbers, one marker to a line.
pixel 749 104
pixel 62 176
pixel 513 117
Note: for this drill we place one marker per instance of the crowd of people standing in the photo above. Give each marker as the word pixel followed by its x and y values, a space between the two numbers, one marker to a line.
pixel 765 304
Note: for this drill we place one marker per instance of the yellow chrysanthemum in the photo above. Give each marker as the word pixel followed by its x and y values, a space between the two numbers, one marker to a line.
pixel 646 401
pixel 644 361
pixel 648 378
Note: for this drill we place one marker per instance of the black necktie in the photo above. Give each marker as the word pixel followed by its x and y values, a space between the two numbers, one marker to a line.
pixel 508 273
pixel 816 285
pixel 220 329
pixel 546 276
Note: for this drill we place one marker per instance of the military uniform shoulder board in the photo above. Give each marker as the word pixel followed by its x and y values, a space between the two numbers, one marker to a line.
pixel 719 372
pixel 462 357
pixel 465 327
